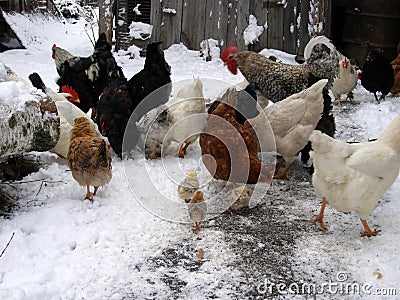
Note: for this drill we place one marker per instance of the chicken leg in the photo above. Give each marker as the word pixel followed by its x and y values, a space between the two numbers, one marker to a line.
pixel 367 231
pixel 182 150
pixel 197 227
pixel 320 216
pixel 95 190
pixel 88 193
pixel 283 173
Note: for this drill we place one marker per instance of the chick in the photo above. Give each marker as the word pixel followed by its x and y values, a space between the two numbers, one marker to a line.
pixel 238 198
pixel 197 209
pixel 188 186
pixel 88 157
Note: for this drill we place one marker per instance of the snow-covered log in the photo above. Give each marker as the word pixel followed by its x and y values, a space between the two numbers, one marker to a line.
pixel 28 120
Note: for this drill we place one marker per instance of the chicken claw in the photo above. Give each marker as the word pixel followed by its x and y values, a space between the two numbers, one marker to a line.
pixel 367 231
pixel 320 216
pixel 88 193
pixel 197 227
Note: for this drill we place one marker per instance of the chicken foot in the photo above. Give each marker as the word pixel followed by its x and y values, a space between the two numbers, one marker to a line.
pixel 197 227
pixel 367 231
pixel 283 173
pixel 88 193
pixel 95 190
pixel 182 150
pixel 320 216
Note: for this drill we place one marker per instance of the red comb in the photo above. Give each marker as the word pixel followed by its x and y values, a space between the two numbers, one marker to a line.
pixel 54 45
pixel 227 52
pixel 70 90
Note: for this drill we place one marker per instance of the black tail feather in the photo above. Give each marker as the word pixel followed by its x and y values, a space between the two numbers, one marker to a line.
pixel 37 82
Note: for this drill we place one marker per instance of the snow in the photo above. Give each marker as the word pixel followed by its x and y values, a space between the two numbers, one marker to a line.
pixel 167 10
pixel 115 248
pixel 253 31
pixel 140 30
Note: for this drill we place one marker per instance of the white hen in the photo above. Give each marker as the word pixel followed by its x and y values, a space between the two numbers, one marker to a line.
pixel 345 82
pixel 187 115
pixel 292 121
pixel 67 112
pixel 353 177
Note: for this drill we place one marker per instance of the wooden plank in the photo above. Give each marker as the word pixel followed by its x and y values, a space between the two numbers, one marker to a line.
pixel 289 27
pixel 259 9
pixel 155 20
pixel 193 23
pixel 171 23
pixel 232 23
pixel 303 35
pixel 275 26
pixel 216 20
pixel 242 23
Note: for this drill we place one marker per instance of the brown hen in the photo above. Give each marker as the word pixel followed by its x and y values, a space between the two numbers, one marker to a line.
pixel 228 148
pixel 89 157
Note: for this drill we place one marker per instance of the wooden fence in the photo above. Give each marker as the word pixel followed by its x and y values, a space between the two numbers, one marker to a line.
pixel 287 24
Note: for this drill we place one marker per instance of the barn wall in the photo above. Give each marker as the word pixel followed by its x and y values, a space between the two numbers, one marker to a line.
pixel 361 24
pixel 287 26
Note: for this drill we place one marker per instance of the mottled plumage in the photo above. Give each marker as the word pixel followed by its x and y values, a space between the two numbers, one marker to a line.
pixel 88 157
pixel 278 81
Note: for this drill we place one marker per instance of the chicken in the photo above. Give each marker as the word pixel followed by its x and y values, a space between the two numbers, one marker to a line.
pixel 154 77
pixel 66 111
pixel 326 125
pixel 197 209
pixel 353 177
pixel 238 198
pixel 113 111
pixel 121 98
pixel 395 90
pixel 228 148
pixel 188 186
pixel 278 81
pixel 88 76
pixel 377 75
pixel 89 157
pixel 187 115
pixel 292 121
pixel 345 82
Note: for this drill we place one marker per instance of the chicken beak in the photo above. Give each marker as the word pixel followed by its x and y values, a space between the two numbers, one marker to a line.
pixel 225 63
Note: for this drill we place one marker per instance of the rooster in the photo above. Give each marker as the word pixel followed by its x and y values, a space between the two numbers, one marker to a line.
pixel 87 75
pixel 278 81
pixel 377 75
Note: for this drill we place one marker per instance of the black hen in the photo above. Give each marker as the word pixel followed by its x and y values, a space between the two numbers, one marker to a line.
pixel 113 112
pixel 121 98
pixel 155 74
pixel 377 75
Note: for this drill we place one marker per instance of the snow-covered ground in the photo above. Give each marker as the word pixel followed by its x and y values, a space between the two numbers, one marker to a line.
pixel 66 248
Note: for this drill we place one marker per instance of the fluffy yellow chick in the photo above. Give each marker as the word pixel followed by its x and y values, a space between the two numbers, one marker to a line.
pixel 239 197
pixel 188 186
pixel 197 209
